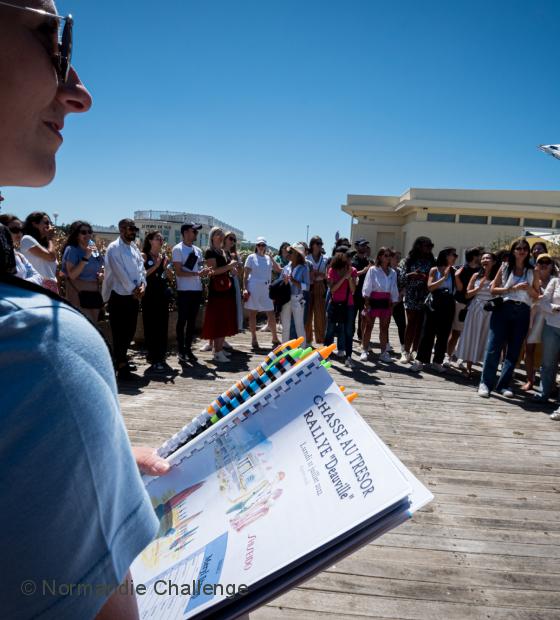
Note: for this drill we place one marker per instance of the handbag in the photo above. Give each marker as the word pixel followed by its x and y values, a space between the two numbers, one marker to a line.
pixel 221 283
pixel 493 304
pixel 280 292
pixel 90 300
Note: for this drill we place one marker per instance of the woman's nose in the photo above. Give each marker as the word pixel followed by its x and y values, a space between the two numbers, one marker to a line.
pixel 74 95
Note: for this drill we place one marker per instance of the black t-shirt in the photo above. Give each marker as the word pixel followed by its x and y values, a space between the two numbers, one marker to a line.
pixel 221 261
pixel 465 277
pixel 360 262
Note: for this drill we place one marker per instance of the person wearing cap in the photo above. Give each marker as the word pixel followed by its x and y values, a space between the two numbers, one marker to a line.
pixel 361 262
pixel 257 277
pixel 187 260
pixel 123 287
pixel 546 269
pixel 296 274
pixel 316 316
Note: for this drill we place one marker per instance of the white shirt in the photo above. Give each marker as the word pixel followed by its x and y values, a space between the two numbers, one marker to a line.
pixel 260 266
pixel 550 303
pixel 25 270
pixel 320 265
pixel 124 269
pixel 179 254
pixel 45 268
pixel 377 281
pixel 510 279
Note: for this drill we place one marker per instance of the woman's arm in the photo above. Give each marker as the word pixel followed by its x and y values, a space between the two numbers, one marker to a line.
pixel 151 270
pixel 472 290
pixel 435 284
pixel 458 282
pixel 48 253
pixel 74 271
pixel 496 287
pixel 246 274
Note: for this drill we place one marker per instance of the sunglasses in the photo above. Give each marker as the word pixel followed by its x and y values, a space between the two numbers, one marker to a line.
pixel 15 229
pixel 540 262
pixel 262 245
pixel 233 239
pixel 62 58
pixel 86 231
pixel 520 249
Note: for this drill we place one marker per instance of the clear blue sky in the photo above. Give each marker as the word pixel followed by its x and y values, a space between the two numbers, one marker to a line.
pixel 267 114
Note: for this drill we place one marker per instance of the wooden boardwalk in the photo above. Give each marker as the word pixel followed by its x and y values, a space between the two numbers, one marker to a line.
pixel 488 546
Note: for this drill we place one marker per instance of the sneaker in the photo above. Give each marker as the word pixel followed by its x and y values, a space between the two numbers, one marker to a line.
pixel 340 354
pixel 363 356
pixel 182 358
pixel 124 374
pixel 483 391
pixel 226 353
pixel 386 357
pixel 403 350
pixel 438 367
pixel 227 345
pixel 255 345
pixel 265 328
pixel 389 348
pixel 417 366
pixel 539 398
pixel 405 358
pixel 506 393
pixel 220 356
pixel 555 415
pixel 349 362
pixel 446 362
pixel 206 347
pixel 131 366
pixel 158 368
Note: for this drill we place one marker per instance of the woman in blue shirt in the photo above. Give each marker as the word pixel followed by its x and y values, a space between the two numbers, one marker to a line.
pixel 297 274
pixel 83 267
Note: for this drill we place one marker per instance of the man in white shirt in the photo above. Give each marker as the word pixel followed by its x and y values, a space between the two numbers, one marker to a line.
pixel 123 287
pixel 187 260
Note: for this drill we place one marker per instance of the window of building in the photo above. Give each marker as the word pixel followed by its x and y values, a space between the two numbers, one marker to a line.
pixel 537 223
pixel 473 219
pixel 505 221
pixel 441 217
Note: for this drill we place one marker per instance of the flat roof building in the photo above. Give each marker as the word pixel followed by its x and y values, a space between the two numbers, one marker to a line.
pixel 461 218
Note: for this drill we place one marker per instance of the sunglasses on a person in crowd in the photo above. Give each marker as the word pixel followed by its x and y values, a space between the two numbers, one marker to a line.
pixel 15 229
pixel 234 239
pixel 263 245
pixel 520 248
pixel 62 57
pixel 544 262
pixel 86 231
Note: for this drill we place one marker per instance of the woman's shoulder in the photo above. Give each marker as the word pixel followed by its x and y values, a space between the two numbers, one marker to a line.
pixel 28 241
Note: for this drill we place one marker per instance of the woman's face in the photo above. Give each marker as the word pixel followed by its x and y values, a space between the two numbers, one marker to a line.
pixel 385 259
pixel 487 261
pixel 218 239
pixel 156 243
pixel 537 249
pixel 520 252
pixel 43 226
pixel 85 235
pixel 452 257
pixel 32 103
pixel 261 248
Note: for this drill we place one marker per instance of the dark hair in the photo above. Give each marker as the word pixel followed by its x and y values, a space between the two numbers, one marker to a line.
pixel 74 233
pixel 495 266
pixel 471 253
pixel 380 253
pixel 539 243
pixel 7 256
pixel 415 249
pixel 502 255
pixel 339 260
pixel 146 248
pixel 441 260
pixel 283 246
pixel 511 259
pixel 314 241
pixel 8 218
pixel 31 230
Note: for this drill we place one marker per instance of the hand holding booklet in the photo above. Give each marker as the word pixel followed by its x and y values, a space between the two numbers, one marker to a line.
pixel 283 486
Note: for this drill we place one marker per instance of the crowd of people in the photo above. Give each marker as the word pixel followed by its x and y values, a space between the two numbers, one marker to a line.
pixel 492 309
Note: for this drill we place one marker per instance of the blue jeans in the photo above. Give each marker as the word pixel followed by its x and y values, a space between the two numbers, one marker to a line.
pixel 508 326
pixel 344 331
pixel 550 351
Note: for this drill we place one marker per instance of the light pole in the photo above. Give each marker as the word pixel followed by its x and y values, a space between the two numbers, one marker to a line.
pixel 55 215
pixel 307 234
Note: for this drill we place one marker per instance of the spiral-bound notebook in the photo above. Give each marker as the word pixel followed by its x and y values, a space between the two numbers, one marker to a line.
pixel 274 492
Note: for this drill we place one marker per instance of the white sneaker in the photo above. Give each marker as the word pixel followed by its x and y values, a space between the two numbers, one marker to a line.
pixel 438 367
pixel 386 357
pixel 405 358
pixel 349 362
pixel 265 328
pixel 227 345
pixel 446 362
pixel 206 347
pixel 364 356
pixel 507 393
pixel 483 391
pixel 555 415
pixel 340 354
pixel 220 356
pixel 416 366
pixel 403 350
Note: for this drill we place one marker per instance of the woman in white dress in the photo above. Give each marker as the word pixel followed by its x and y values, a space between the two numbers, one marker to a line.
pixel 38 247
pixel 472 343
pixel 257 276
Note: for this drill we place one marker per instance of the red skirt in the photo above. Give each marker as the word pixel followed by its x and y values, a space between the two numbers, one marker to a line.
pixel 220 319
